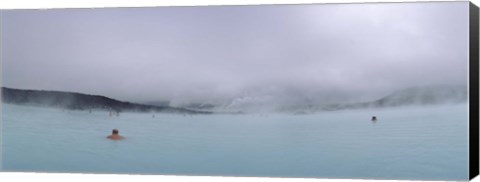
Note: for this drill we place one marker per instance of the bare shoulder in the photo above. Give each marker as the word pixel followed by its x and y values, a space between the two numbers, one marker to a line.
pixel 112 137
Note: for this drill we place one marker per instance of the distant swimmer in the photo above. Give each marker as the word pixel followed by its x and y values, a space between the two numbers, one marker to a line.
pixel 115 135
pixel 374 118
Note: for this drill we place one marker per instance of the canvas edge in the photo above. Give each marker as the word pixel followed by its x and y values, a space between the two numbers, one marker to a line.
pixel 473 91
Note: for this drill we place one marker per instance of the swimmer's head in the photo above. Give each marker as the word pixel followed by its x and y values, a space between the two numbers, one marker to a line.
pixel 115 131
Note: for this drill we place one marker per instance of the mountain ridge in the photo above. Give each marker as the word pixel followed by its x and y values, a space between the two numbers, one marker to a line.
pixel 418 95
pixel 421 95
pixel 80 101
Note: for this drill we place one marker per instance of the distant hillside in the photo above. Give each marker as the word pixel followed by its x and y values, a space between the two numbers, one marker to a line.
pixel 427 95
pixel 158 103
pixel 78 101
pixel 424 95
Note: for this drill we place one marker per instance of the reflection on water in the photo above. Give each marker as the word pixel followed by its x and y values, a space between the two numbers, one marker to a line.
pixel 428 143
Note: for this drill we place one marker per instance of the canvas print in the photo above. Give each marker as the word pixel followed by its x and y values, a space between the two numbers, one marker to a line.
pixel 349 91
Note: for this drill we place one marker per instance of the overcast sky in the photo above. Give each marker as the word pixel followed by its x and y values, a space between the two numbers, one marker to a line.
pixel 183 54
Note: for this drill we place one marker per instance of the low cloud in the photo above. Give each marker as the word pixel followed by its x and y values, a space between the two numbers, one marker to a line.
pixel 288 53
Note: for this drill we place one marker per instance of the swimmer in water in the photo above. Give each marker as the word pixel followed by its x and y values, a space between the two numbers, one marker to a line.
pixel 115 135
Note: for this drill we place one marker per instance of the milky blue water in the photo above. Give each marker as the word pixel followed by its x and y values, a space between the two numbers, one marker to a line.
pixel 425 143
